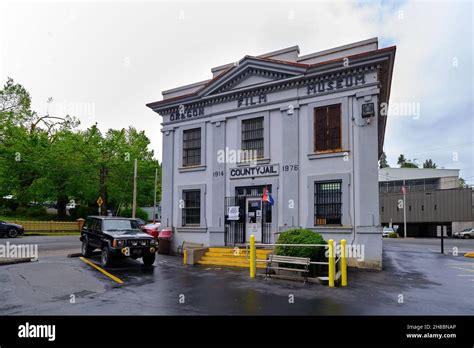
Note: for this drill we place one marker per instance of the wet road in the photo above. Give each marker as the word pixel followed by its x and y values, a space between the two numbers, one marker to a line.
pixel 415 280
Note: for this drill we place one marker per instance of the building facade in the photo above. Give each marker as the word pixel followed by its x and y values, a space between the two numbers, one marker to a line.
pixel 308 129
pixel 435 203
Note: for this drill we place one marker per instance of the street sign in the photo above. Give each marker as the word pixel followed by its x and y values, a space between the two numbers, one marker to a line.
pixel 100 201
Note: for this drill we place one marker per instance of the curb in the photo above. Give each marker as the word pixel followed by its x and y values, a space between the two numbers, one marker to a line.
pixel 4 262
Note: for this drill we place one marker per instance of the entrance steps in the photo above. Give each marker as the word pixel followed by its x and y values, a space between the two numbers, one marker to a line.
pixel 231 257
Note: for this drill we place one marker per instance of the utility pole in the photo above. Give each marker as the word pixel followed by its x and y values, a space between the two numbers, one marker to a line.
pixel 404 190
pixel 154 200
pixel 134 203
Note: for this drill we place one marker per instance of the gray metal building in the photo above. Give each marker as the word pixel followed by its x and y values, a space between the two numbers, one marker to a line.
pixel 314 127
pixel 434 201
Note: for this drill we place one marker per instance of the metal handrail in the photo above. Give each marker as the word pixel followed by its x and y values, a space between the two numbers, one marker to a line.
pixel 338 258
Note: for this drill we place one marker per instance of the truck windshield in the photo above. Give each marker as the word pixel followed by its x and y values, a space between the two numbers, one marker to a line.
pixel 117 225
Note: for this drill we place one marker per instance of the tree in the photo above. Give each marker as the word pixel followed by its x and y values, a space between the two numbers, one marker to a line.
pixel 429 164
pixel 462 183
pixel 406 163
pixel 401 160
pixel 48 158
pixel 383 161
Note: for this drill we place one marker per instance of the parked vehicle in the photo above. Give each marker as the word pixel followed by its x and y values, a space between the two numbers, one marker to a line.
pixel 141 223
pixel 152 229
pixel 10 230
pixel 386 231
pixel 466 233
pixel 71 206
pixel 116 237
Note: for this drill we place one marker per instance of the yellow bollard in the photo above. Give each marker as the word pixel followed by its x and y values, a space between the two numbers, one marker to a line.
pixel 343 263
pixel 331 260
pixel 252 256
pixel 184 256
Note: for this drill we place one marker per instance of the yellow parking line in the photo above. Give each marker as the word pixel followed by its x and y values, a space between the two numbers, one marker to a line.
pixel 111 276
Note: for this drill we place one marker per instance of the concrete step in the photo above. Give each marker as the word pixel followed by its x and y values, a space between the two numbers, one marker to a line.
pixel 242 256
pixel 241 251
pixel 229 264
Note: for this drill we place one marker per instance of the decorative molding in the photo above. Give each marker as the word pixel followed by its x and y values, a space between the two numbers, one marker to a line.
pixel 272 86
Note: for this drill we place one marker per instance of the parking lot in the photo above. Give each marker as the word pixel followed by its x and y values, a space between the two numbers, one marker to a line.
pixel 417 279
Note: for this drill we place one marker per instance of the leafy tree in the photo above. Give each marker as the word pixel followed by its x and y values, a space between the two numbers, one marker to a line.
pixel 383 161
pixel 429 164
pixel 48 158
pixel 406 163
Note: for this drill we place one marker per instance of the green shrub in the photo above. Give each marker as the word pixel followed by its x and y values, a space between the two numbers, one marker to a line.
pixel 36 211
pixel 301 236
pixel 82 211
pixel 5 212
pixel 140 213
pixel 21 211
pixel 393 235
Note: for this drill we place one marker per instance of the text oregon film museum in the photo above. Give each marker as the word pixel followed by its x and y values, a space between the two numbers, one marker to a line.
pixel 315 129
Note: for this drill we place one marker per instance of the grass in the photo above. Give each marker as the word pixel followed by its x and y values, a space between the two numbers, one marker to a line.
pixel 27 234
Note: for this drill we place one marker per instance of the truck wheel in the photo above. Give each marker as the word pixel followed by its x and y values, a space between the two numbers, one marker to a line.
pixel 86 250
pixel 106 257
pixel 148 259
pixel 12 233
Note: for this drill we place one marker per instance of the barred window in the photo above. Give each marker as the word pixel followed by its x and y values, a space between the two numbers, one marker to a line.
pixel 192 147
pixel 327 203
pixel 192 207
pixel 327 128
pixel 252 135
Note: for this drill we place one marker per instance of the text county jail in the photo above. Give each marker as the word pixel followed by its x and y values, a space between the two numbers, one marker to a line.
pixel 314 127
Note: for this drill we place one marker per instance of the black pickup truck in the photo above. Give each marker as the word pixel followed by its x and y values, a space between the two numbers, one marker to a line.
pixel 117 237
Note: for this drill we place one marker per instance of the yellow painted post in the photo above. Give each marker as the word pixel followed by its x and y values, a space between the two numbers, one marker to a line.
pixel 252 256
pixel 331 260
pixel 184 256
pixel 343 263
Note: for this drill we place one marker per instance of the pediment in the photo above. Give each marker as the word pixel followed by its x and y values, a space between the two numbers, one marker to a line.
pixel 249 73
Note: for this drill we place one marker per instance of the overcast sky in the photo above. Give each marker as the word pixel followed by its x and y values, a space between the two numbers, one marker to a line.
pixel 103 61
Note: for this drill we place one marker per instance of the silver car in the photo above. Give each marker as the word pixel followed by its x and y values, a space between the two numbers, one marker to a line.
pixel 466 233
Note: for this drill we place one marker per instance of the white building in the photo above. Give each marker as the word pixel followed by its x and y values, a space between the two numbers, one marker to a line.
pixel 315 126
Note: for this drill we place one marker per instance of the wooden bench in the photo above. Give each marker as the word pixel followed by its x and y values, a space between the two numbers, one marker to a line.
pixel 301 261
pixel 187 245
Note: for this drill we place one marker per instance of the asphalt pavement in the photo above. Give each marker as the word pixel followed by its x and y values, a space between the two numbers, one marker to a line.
pixel 417 279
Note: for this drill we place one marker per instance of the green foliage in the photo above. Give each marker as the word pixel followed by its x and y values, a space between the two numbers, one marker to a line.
pixel 393 235
pixel 301 236
pixel 140 213
pixel 82 211
pixel 47 158
pixel 37 211
pixel 383 161
pixel 429 164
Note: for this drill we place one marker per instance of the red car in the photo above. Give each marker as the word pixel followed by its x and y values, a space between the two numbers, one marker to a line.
pixel 152 229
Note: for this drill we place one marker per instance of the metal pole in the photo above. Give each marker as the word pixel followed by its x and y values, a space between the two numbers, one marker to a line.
pixel 404 210
pixel 154 200
pixel 253 256
pixel 442 239
pixel 134 203
pixel 332 265
pixel 343 263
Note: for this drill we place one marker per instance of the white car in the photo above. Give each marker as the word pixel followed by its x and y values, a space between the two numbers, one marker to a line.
pixel 70 206
pixel 386 231
pixel 466 233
